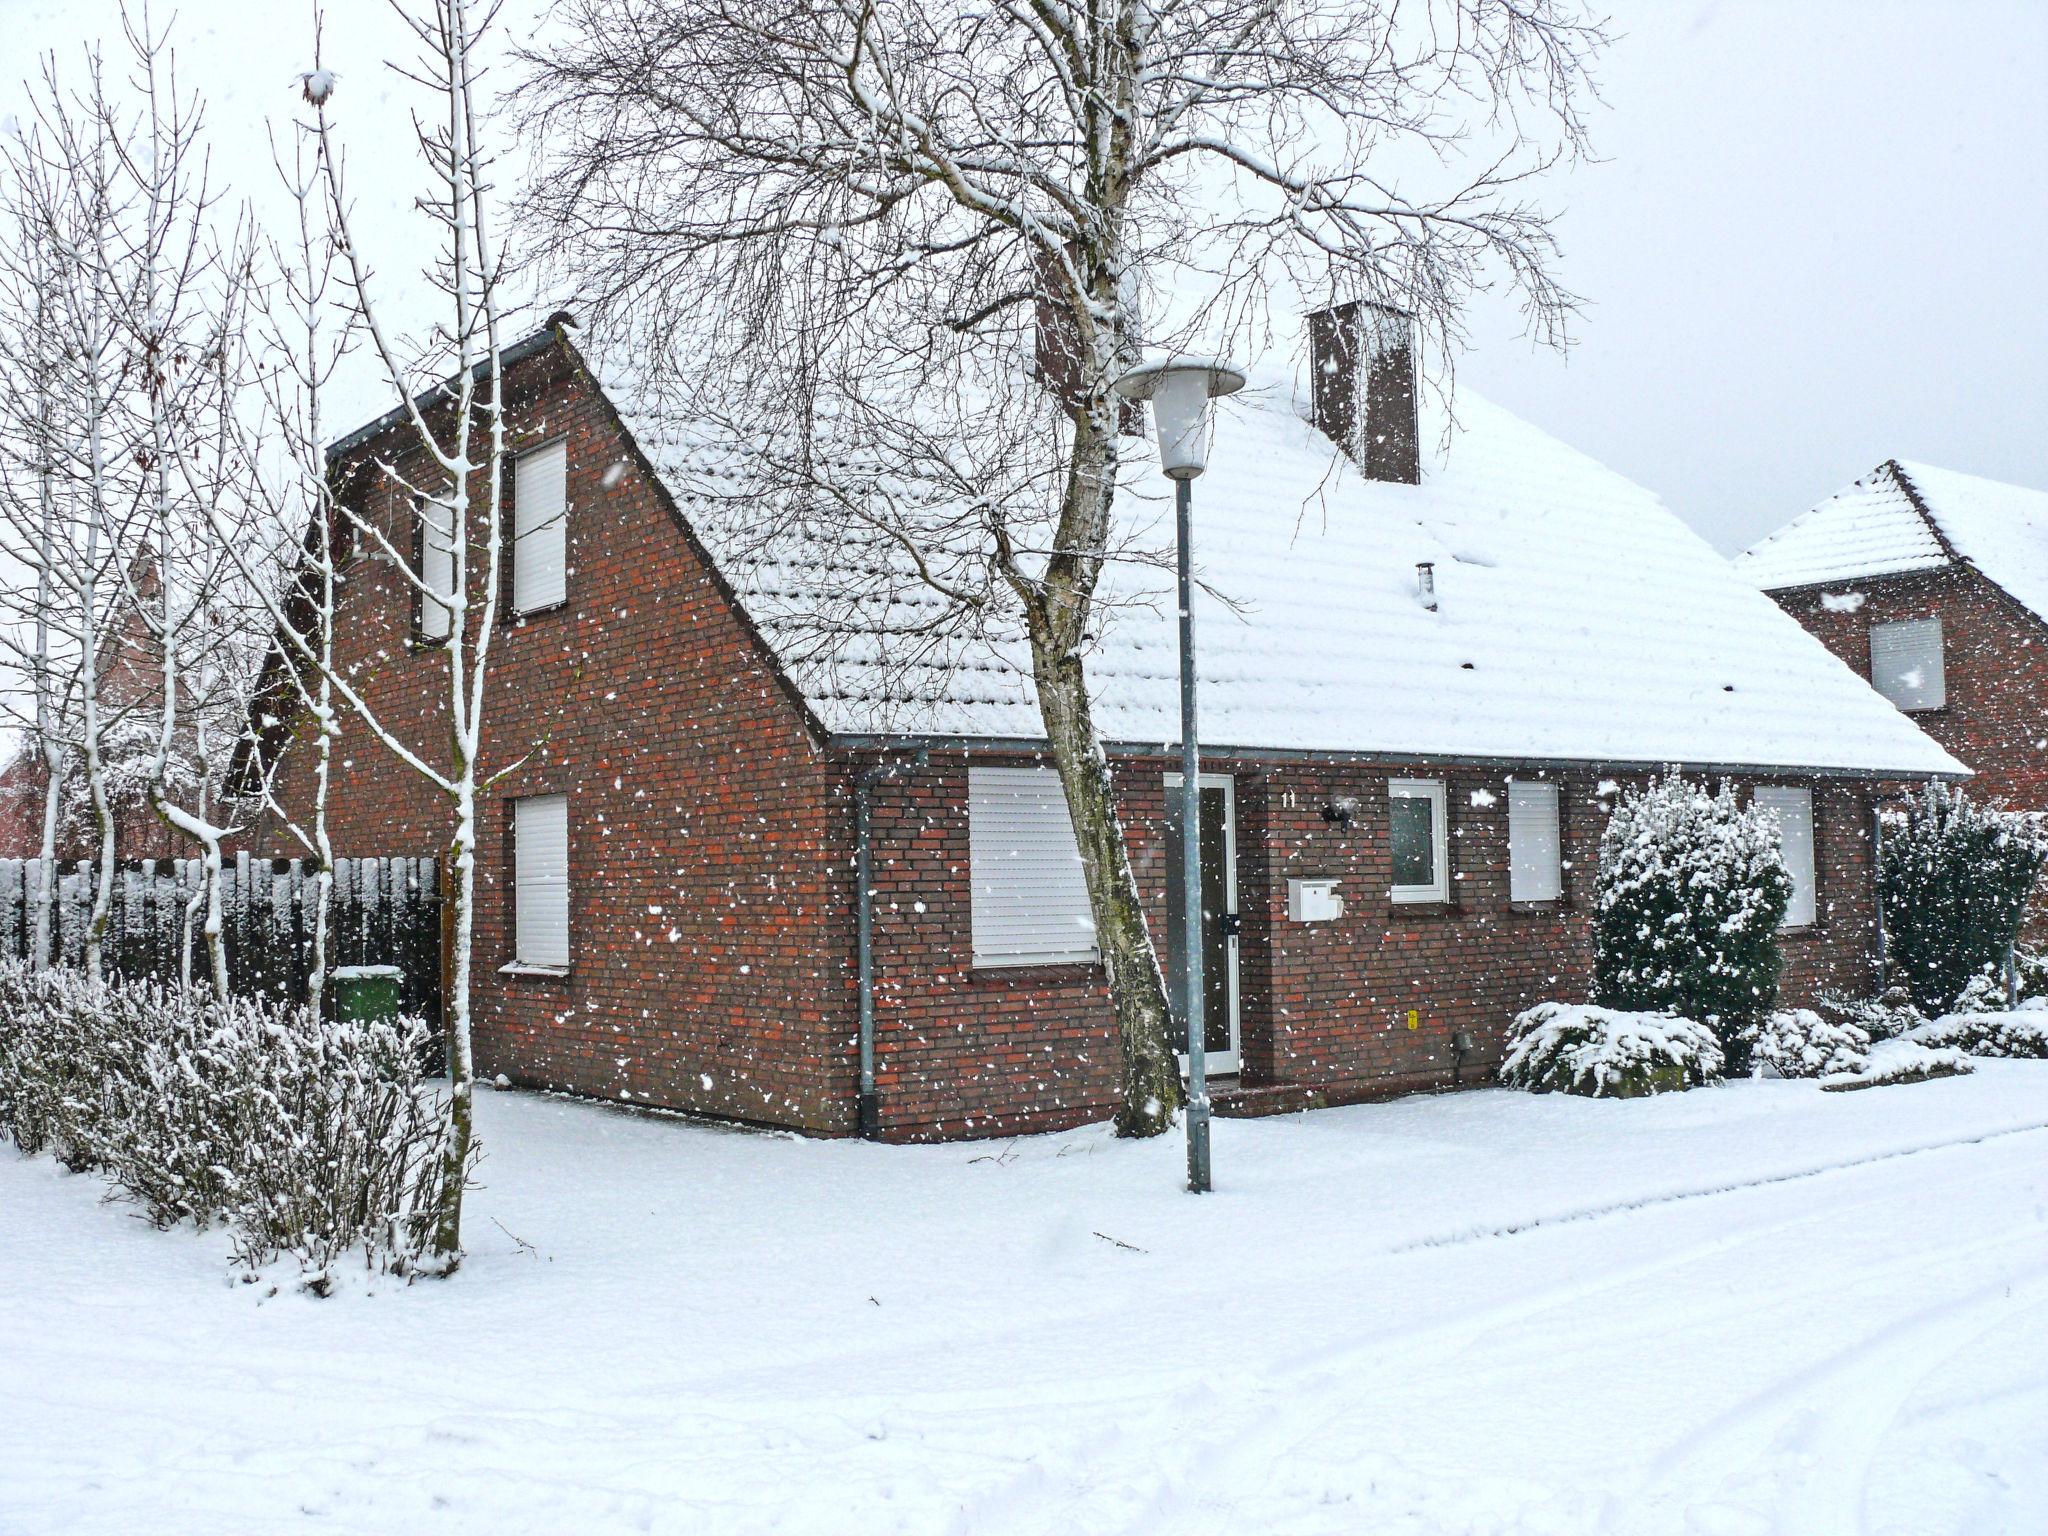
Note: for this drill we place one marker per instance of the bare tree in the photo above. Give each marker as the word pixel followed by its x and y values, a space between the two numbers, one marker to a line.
pixel 302 339
pixel 135 334
pixel 182 319
pixel 930 231
pixel 450 402
pixel 30 492
pixel 66 201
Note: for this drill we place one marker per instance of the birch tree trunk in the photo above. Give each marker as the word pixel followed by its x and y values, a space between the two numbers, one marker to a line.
pixel 1150 1071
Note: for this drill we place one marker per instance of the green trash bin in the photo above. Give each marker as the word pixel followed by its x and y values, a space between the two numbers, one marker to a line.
pixel 367 991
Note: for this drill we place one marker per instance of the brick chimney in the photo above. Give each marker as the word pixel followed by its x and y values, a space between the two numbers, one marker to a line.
pixel 1362 377
pixel 1057 349
pixel 1057 354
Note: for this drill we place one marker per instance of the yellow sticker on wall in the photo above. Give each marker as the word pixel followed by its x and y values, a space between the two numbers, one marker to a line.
pixel 1414 1018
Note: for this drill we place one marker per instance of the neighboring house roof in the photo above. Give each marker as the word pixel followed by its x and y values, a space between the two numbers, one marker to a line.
pixel 1904 517
pixel 1578 619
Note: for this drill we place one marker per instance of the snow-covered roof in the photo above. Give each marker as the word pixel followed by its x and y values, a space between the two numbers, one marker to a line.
pixel 1913 517
pixel 2001 529
pixel 1871 528
pixel 1578 619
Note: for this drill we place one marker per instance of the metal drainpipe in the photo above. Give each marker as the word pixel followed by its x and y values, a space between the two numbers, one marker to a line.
pixel 864 927
pixel 1877 895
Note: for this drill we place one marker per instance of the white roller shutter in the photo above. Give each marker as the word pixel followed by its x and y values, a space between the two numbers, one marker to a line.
pixel 540 499
pixel 540 880
pixel 1792 809
pixel 1535 850
pixel 1905 663
pixel 1030 901
pixel 437 566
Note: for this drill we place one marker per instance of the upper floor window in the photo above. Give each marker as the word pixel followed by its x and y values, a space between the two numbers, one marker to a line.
pixel 1418 838
pixel 1906 663
pixel 436 563
pixel 540 501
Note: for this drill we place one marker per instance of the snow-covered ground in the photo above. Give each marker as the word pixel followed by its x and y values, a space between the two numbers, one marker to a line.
pixel 1753 1308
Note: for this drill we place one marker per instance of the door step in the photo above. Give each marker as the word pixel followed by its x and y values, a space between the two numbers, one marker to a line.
pixel 1238 1103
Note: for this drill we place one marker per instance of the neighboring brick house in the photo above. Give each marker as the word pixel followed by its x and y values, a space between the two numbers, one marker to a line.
pixel 1934 585
pixel 668 912
pixel 130 688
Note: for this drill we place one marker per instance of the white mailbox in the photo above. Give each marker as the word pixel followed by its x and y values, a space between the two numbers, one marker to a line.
pixel 1313 901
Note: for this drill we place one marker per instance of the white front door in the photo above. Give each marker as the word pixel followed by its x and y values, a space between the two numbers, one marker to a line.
pixel 1219 919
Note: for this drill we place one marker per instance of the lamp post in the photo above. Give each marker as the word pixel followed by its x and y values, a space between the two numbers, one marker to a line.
pixel 1180 389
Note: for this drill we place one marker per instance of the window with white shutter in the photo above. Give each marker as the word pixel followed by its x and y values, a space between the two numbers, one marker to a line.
pixel 540 500
pixel 540 882
pixel 1906 663
pixel 1535 849
pixel 436 567
pixel 1792 809
pixel 1030 900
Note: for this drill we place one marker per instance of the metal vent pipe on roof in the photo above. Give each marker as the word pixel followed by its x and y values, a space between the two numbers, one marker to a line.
pixel 1425 584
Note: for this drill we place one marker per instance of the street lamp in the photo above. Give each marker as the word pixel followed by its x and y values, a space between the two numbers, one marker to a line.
pixel 1180 389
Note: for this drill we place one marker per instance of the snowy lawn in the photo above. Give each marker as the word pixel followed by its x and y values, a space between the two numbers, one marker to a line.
pixel 1751 1308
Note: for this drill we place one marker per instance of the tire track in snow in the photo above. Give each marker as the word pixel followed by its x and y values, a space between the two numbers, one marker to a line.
pixel 1822 1284
pixel 1480 1233
pixel 1243 1447
pixel 1865 1385
pixel 1248 1433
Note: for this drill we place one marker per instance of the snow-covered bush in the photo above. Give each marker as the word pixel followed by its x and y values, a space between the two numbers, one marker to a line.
pixel 1954 877
pixel 1691 891
pixel 1900 1061
pixel 1996 986
pixel 2023 1031
pixel 1799 1042
pixel 1881 1018
pixel 1607 1052
pixel 312 1138
pixel 1985 992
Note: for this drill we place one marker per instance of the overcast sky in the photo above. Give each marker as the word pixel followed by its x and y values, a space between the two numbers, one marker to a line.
pixel 1818 236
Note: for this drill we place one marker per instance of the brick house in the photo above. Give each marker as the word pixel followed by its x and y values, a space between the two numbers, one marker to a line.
pixel 1934 585
pixel 1428 680
pixel 130 698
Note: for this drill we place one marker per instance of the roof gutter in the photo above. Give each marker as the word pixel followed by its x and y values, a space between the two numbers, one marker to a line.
pixel 1036 746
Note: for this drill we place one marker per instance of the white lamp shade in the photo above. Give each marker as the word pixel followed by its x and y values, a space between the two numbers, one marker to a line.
pixel 1180 415
pixel 1180 390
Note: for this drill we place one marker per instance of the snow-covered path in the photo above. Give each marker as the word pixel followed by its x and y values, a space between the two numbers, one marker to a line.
pixel 1756 1308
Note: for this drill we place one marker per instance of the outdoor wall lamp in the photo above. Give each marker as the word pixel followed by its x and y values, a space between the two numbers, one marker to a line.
pixel 1462 1045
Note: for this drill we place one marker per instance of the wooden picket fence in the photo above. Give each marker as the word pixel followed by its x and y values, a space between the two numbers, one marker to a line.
pixel 383 911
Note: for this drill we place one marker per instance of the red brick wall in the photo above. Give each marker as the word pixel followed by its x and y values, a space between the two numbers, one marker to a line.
pixel 1995 661
pixel 1322 1006
pixel 709 901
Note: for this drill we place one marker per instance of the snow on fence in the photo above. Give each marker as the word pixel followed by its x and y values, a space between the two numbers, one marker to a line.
pixel 382 912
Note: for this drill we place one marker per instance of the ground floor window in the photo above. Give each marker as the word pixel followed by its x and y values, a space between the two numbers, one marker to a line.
pixel 1416 836
pixel 1029 903
pixel 1792 809
pixel 540 882
pixel 1535 850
